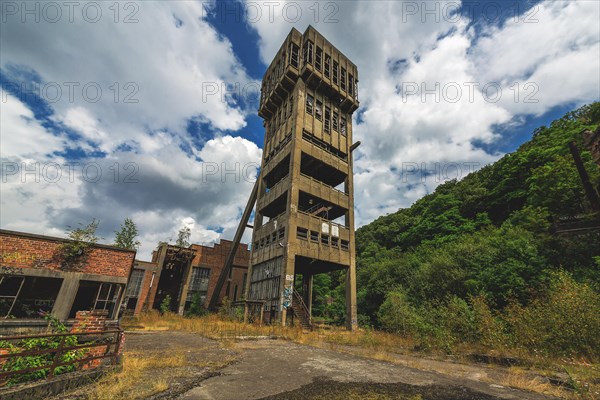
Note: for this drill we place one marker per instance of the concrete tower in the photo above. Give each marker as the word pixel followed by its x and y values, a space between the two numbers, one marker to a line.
pixel 304 217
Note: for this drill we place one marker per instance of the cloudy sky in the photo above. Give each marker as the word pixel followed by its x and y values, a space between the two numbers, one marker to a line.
pixel 147 109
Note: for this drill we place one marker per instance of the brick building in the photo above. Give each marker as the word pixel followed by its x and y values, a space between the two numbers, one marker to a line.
pixel 35 278
pixel 182 273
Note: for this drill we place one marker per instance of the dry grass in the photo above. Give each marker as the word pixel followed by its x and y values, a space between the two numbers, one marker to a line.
pixel 383 346
pixel 130 383
pixel 520 379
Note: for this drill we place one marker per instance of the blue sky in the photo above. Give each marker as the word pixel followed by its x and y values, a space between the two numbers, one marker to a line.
pixel 148 110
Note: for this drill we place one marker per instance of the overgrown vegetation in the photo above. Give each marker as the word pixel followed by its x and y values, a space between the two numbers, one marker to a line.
pixel 183 237
pixel 40 360
pixel 81 240
pixel 476 263
pixel 165 304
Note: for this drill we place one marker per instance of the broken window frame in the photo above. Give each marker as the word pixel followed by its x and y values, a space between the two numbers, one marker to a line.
pixel 319 110
pixel 302 233
pixel 335 120
pixel 327 123
pixel 351 85
pixel 134 286
pixel 14 298
pixel 294 55
pixel 310 101
pixel 33 296
pixel 327 71
pixel 343 79
pixel 319 58
pixel 343 126
pixel 108 299
pixel 314 236
pixel 336 67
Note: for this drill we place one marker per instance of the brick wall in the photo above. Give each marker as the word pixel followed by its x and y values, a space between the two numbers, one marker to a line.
pixel 214 258
pixel 21 250
pixel 91 321
pixel 146 293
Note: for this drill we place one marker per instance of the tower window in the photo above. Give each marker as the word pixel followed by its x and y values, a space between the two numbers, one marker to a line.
pixel 343 79
pixel 302 233
pixel 314 236
pixel 327 125
pixel 327 66
pixel 309 104
pixel 343 126
pixel 319 110
pixel 335 72
pixel 294 55
pixel 319 59
pixel 336 118
pixel 307 52
pixel 350 85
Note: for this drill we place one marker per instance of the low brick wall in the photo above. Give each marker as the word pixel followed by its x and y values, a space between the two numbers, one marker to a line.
pixel 89 322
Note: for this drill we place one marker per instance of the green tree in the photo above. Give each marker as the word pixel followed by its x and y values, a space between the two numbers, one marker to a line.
pixel 183 237
pixel 126 236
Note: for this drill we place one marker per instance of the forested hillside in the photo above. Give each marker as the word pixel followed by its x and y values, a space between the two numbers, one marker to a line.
pixel 485 241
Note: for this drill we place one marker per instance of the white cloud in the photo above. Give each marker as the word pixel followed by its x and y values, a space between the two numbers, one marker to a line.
pixel 115 81
pixel 134 84
pixel 173 71
pixel 397 48
pixel 21 134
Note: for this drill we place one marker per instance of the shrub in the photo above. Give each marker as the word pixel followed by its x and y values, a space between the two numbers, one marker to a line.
pixel 564 321
pixel 197 306
pixel 491 330
pixel 397 315
pixel 165 304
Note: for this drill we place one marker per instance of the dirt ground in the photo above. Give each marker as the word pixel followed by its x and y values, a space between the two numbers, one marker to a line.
pixel 282 370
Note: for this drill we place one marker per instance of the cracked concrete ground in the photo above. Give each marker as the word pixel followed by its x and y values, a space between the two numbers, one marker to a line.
pixel 285 370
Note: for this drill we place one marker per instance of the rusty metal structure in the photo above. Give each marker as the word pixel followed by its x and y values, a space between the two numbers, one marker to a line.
pixel 304 216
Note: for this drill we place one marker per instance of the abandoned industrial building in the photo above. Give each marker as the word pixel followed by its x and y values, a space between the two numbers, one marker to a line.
pixel 304 218
pixel 181 273
pixel 303 224
pixel 35 278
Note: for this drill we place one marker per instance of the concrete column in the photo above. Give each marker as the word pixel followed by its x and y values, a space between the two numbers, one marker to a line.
pixel 309 295
pixel 66 296
pixel 351 312
pixel 187 276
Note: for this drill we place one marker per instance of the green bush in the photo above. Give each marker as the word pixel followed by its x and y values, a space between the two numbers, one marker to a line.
pixel 165 304
pixel 563 321
pixel 197 306
pixel 397 315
